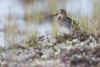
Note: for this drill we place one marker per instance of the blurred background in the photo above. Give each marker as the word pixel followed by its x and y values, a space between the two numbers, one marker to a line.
pixel 20 19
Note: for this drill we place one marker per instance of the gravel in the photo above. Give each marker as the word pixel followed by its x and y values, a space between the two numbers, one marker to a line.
pixel 55 51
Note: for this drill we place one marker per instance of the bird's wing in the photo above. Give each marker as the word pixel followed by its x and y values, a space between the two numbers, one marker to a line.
pixel 74 25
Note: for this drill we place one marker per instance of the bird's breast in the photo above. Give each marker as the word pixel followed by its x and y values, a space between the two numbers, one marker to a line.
pixel 64 26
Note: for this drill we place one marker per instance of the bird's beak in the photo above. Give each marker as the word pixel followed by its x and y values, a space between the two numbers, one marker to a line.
pixel 50 16
pixel 55 14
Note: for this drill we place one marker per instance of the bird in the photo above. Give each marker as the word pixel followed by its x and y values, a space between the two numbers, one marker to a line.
pixel 64 23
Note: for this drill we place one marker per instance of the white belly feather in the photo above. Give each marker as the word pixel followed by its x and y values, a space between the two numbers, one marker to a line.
pixel 64 29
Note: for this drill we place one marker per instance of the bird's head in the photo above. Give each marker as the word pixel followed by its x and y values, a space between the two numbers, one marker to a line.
pixel 62 12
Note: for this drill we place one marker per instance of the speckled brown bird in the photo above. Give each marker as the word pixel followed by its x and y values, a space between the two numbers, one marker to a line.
pixel 65 24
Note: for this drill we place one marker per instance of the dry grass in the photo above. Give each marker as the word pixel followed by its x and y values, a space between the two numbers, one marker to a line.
pixel 91 25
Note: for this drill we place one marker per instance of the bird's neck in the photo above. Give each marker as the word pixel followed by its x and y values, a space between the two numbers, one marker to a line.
pixel 61 17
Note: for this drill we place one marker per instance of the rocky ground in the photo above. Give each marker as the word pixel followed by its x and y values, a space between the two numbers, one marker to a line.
pixel 55 51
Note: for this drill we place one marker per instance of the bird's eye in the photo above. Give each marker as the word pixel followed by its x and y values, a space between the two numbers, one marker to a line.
pixel 61 11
